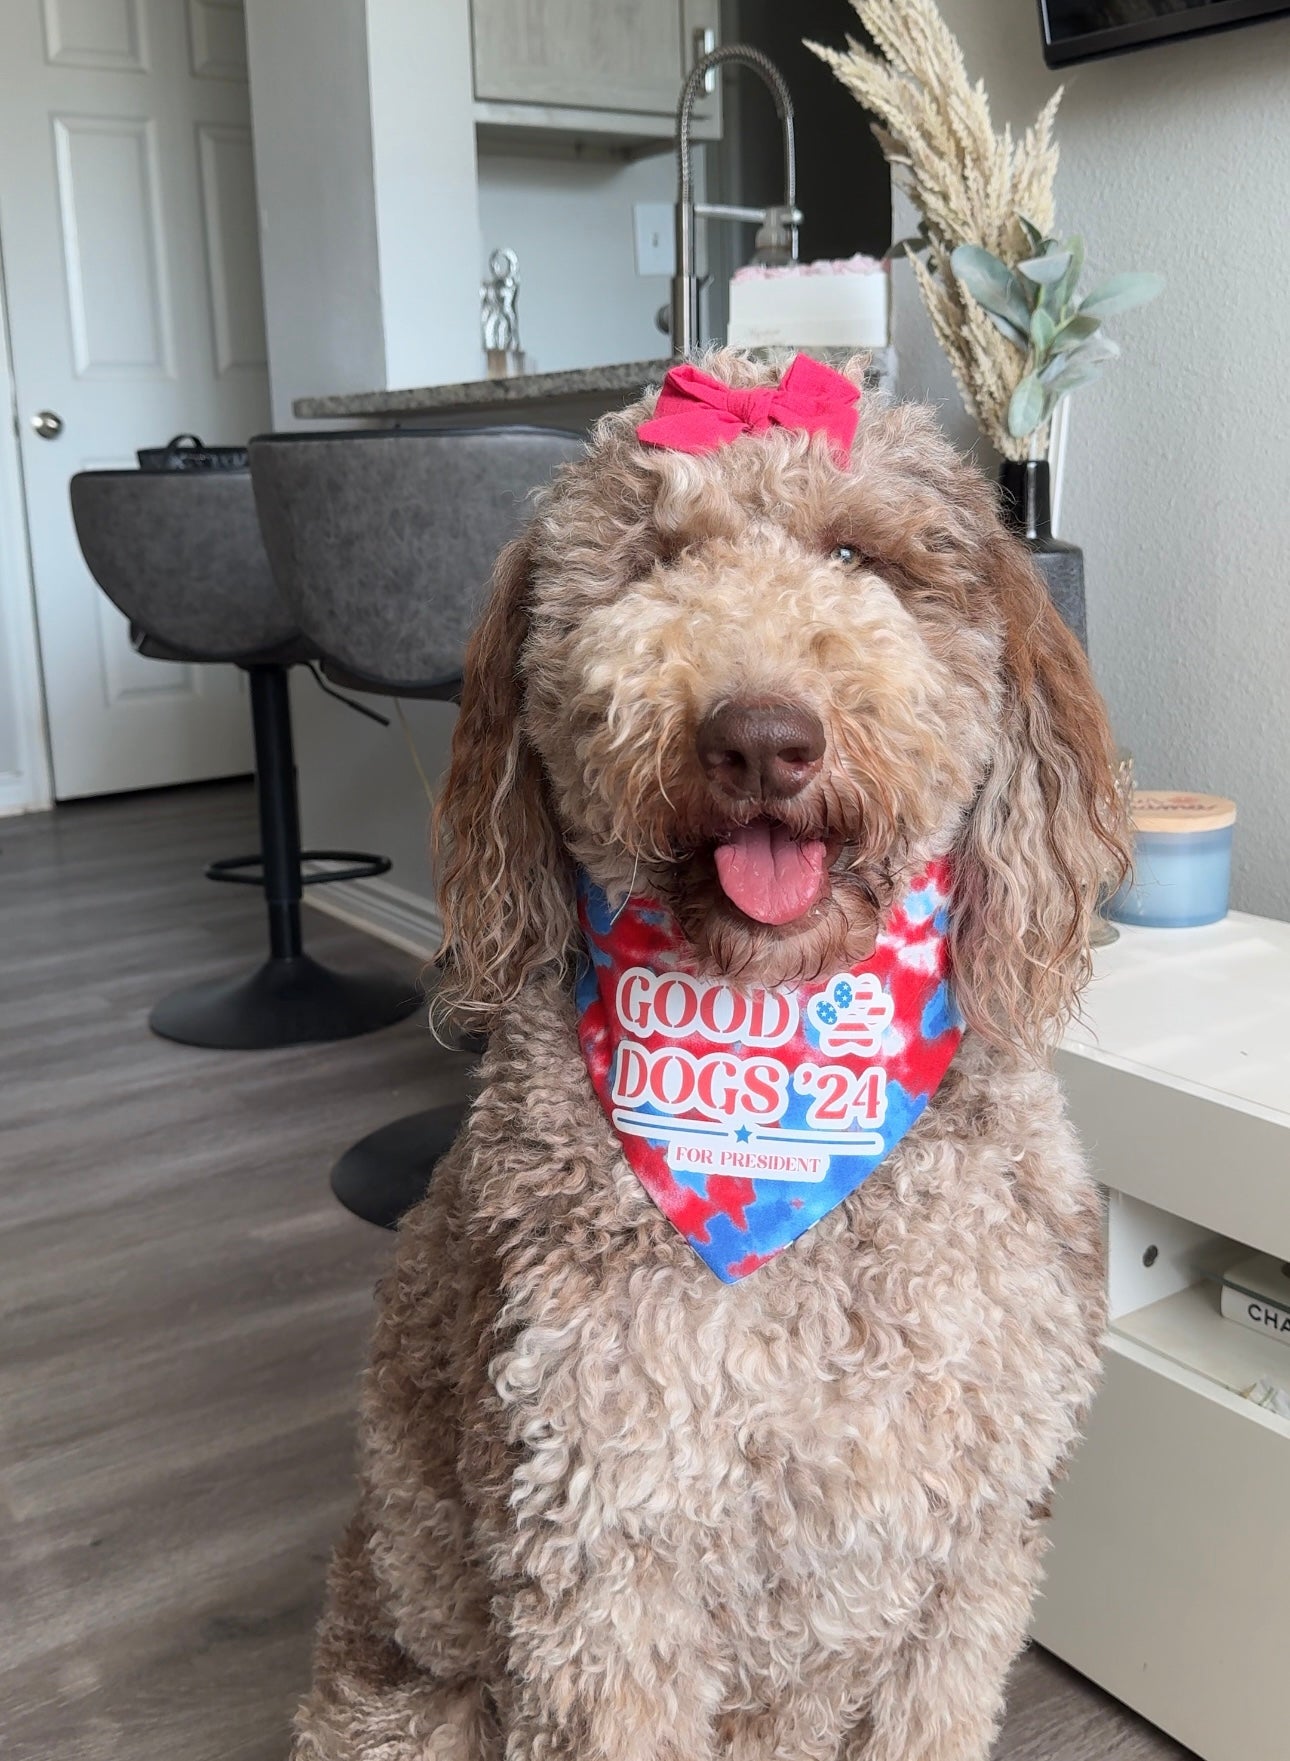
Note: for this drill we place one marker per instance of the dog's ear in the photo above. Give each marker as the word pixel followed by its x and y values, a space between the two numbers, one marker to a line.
pixel 505 890
pixel 1045 833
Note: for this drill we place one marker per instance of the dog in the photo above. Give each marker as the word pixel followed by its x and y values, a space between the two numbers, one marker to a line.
pixel 756 678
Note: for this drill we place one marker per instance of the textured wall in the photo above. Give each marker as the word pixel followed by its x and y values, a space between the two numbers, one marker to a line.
pixel 1177 465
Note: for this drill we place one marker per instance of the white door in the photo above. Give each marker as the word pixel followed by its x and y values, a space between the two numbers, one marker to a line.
pixel 132 283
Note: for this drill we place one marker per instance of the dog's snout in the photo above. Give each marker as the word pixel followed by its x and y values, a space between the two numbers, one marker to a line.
pixel 760 750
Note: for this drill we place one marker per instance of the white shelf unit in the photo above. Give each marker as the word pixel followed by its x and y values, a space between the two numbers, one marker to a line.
pixel 1189 1331
pixel 1172 1534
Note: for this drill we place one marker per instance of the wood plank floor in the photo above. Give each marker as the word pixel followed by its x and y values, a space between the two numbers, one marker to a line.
pixel 183 1309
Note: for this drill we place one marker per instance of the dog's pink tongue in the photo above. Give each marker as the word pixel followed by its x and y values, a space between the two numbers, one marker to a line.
pixel 771 876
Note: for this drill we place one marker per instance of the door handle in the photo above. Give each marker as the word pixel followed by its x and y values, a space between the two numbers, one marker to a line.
pixel 48 424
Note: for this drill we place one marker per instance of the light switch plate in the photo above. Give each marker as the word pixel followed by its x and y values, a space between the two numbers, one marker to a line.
pixel 655 242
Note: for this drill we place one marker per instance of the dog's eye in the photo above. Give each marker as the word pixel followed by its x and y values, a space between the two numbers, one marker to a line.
pixel 848 556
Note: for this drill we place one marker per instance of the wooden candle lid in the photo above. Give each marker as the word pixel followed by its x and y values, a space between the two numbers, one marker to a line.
pixel 1180 811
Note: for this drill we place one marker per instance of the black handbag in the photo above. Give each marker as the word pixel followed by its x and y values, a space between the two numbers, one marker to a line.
pixel 186 453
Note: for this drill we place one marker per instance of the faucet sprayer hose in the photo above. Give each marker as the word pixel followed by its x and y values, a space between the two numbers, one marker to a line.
pixel 684 281
pixel 735 54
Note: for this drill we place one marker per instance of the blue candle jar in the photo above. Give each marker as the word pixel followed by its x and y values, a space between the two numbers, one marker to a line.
pixel 1182 860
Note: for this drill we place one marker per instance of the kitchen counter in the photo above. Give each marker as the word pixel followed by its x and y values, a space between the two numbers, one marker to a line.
pixel 616 383
pixel 589 389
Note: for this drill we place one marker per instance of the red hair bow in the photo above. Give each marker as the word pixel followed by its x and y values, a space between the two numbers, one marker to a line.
pixel 697 413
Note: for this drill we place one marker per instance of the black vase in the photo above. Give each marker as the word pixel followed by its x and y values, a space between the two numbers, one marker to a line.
pixel 1025 497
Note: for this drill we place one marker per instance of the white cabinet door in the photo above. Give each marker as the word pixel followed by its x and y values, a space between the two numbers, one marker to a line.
pixel 623 55
pixel 132 285
pixel 1171 1549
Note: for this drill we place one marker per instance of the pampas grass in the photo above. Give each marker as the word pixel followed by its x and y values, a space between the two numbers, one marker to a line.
pixel 971 185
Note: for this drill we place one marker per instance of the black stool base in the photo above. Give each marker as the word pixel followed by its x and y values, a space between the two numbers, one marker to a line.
pixel 387 1172
pixel 286 1002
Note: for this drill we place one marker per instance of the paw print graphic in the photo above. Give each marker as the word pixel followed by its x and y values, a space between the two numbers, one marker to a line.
pixel 851 1015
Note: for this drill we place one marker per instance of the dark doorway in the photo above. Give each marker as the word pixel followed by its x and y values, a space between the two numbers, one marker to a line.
pixel 844 188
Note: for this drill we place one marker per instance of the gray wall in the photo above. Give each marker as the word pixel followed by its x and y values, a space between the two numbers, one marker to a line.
pixel 1177 465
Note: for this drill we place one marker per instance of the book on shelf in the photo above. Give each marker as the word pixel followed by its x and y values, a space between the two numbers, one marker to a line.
pixel 1256 1293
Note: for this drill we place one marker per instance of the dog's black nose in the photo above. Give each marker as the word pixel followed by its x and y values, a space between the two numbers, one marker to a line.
pixel 760 750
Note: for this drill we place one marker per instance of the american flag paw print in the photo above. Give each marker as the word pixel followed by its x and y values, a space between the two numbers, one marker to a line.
pixel 850 1015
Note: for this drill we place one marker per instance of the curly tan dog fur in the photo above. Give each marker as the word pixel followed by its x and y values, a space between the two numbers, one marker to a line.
pixel 612 1509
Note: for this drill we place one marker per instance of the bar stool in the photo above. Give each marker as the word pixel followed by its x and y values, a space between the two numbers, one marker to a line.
pixel 382 543
pixel 180 553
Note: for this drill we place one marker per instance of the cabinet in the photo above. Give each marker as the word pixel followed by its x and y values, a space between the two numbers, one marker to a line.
pixel 1171 1548
pixel 611 69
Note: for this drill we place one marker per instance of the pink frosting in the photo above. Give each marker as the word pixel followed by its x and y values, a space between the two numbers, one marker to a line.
pixel 856 265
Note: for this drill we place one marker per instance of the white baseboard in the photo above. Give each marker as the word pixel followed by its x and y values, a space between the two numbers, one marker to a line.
pixel 409 921
pixel 16 797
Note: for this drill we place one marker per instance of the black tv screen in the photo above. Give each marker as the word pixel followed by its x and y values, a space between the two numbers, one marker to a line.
pixel 1079 30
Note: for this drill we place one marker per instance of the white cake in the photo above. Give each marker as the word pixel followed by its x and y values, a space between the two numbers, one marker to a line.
pixel 842 304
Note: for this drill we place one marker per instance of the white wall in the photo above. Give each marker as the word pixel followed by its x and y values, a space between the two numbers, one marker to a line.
pixel 359 790
pixel 24 771
pixel 364 159
pixel 570 223
pixel 313 174
pixel 423 133
pixel 1177 464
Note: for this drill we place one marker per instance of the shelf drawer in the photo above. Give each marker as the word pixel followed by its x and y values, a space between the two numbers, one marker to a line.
pixel 1181 1151
pixel 1171 1555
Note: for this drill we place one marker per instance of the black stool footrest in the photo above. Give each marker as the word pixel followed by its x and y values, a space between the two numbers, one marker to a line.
pixel 227 869
pixel 362 865
pixel 387 1172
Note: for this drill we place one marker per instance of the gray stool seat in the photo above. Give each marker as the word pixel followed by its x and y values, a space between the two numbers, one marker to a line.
pixel 382 544
pixel 295 651
pixel 179 552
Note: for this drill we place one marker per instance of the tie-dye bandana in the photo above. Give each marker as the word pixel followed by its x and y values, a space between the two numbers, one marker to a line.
pixel 749 1114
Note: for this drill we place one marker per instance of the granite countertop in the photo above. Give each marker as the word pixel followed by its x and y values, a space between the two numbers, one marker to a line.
pixel 623 378
pixel 620 380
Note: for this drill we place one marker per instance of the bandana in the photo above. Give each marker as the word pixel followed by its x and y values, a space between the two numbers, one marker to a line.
pixel 697 413
pixel 748 1114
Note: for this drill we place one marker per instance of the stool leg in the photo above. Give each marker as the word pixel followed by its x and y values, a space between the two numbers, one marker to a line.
pixel 278 802
pixel 291 999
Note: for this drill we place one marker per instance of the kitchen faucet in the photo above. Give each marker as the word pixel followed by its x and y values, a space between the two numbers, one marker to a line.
pixel 779 223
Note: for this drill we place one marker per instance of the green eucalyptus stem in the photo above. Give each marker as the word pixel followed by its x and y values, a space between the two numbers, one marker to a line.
pixel 1037 305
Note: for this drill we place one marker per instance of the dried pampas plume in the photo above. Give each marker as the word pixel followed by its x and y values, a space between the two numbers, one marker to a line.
pixel 971 186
